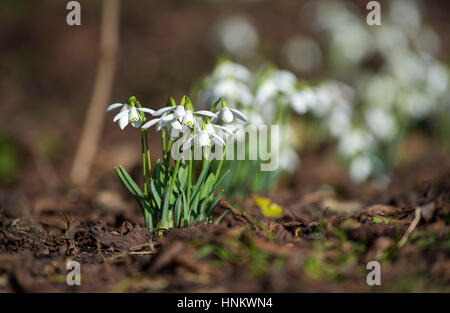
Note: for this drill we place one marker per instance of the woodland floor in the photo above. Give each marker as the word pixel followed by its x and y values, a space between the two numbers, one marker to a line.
pixel 322 243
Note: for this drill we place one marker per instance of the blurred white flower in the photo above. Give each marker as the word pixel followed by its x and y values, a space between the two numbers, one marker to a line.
pixel 238 36
pixel 416 104
pixel 381 123
pixel 405 13
pixel 228 69
pixel 285 81
pixel 339 120
pixel 389 37
pixel 351 41
pixel 361 168
pixel 233 91
pixel 303 54
pixel 380 90
pixel 266 91
pixel 437 79
pixel 289 160
pixel 354 141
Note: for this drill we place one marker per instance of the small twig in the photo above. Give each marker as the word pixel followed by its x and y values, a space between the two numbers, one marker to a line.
pixel 132 251
pixel 411 228
pixel 142 252
pixel 99 249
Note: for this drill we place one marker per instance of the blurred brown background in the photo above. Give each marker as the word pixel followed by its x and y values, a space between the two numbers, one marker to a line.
pixel 48 68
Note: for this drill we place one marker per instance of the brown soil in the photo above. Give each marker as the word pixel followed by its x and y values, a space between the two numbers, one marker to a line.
pixel 322 242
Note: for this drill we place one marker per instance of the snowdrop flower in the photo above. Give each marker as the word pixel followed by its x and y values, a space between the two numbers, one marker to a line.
pixel 128 114
pixel 354 141
pixel 361 168
pixel 234 91
pixel 189 118
pixel 166 121
pixel 204 137
pixel 176 119
pixel 230 69
pixel 381 123
pixel 302 100
pixel 228 114
pixel 285 81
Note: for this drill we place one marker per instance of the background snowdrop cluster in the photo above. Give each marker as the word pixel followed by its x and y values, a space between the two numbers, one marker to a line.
pixel 394 82
pixel 266 97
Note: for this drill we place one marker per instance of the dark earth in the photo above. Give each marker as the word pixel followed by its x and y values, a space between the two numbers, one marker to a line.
pixel 329 230
pixel 322 242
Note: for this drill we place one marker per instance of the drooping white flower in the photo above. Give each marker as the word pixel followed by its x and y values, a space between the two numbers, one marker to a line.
pixel 228 114
pixel 166 121
pixel 361 168
pixel 189 117
pixel 228 69
pixel 204 137
pixel 128 114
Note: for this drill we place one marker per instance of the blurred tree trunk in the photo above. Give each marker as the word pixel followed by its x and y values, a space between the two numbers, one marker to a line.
pixel 109 38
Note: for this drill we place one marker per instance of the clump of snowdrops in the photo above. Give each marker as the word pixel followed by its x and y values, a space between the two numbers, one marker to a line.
pixel 182 188
pixel 266 97
pixel 396 85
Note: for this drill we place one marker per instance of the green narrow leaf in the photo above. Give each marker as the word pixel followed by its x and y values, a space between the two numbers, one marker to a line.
pixel 165 208
pixel 185 210
pixel 155 194
pixel 207 185
pixel 220 218
pixel 125 182
pixel 200 180
pixel 212 204
pixel 177 213
pixel 131 182
pixel 220 180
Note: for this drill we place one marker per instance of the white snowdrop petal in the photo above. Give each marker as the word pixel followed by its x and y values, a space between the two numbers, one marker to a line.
pixel 123 121
pixel 179 112
pixel 176 125
pixel 136 124
pixel 227 115
pixel 217 139
pixel 134 115
pixel 224 129
pixel 203 139
pixel 206 113
pixel 189 118
pixel 151 123
pixel 146 110
pixel 164 110
pixel 120 115
pixel 188 143
pixel 169 117
pixel 239 115
pixel 114 106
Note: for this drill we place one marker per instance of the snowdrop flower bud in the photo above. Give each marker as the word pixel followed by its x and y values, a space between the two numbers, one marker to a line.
pixel 134 116
pixel 180 112
pixel 189 118
pixel 227 115
pixel 203 139
pixel 129 113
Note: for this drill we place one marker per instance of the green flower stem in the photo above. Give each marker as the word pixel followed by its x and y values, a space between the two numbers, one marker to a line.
pixel 174 176
pixel 219 167
pixel 189 182
pixel 147 148
pixel 144 172
pixel 163 139
pixel 168 152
